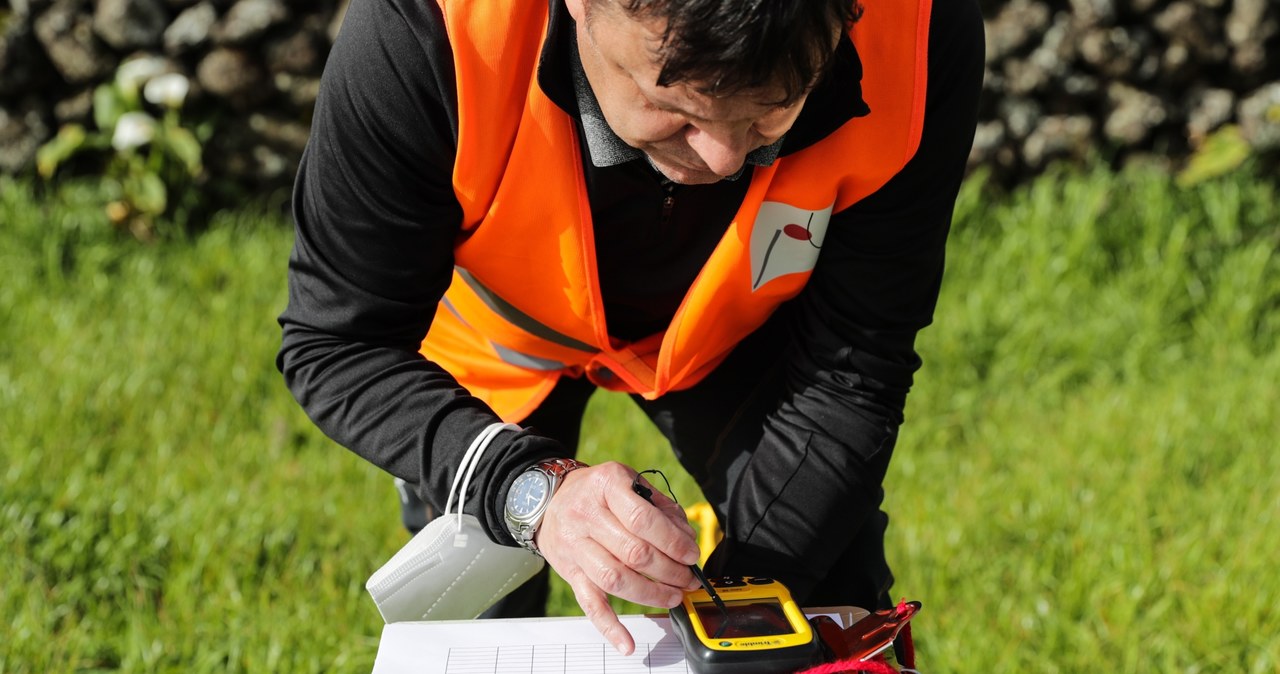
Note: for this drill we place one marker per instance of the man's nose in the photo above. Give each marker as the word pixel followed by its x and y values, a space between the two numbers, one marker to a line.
pixel 723 150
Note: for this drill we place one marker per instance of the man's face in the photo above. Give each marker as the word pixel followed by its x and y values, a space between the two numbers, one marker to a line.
pixel 692 138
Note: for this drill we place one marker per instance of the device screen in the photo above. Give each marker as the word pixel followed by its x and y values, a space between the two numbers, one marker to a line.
pixel 747 618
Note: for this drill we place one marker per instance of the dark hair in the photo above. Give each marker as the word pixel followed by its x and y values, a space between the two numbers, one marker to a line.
pixel 728 46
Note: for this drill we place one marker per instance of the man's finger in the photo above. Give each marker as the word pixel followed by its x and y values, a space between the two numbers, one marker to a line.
pixel 589 533
pixel 676 514
pixel 595 606
pixel 653 524
pixel 613 576
pixel 673 510
pixel 637 554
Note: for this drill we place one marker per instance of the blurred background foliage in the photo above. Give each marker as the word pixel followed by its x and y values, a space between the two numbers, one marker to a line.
pixel 1086 477
pixel 1193 85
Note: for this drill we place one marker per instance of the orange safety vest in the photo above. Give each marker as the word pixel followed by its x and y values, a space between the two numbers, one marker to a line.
pixel 524 307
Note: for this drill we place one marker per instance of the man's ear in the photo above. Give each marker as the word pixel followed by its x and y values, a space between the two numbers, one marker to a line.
pixel 577 9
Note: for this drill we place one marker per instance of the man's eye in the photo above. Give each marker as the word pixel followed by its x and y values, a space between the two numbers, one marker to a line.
pixel 654 107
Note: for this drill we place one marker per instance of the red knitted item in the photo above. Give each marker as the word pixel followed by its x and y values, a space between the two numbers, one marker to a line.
pixel 876 666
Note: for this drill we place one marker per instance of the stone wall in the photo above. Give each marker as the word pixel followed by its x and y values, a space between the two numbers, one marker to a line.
pixel 1064 77
pixel 1067 77
pixel 254 68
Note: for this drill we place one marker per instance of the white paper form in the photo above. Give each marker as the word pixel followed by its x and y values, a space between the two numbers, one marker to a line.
pixel 536 646
pixel 527 646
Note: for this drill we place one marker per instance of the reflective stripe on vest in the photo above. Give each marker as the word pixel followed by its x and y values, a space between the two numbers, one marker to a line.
pixel 518 318
pixel 524 307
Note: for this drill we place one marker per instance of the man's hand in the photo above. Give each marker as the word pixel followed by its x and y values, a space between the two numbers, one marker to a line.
pixel 604 539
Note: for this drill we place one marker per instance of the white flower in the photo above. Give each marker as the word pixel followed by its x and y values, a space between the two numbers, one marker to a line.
pixel 168 90
pixel 135 72
pixel 133 129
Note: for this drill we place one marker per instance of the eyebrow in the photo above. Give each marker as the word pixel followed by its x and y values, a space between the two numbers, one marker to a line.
pixel 766 108
pixel 670 108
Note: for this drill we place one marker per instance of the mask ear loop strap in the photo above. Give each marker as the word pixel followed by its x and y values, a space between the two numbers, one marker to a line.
pixel 470 460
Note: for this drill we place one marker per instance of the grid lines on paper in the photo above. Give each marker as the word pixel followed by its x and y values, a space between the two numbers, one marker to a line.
pixel 665 657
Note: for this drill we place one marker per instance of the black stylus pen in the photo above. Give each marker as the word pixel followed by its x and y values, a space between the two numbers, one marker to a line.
pixel 647 494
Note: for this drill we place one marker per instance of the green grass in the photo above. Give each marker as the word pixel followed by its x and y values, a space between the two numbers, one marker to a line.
pixel 1087 479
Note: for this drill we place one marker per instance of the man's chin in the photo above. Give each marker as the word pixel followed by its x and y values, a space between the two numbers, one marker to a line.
pixel 685 176
pixel 682 176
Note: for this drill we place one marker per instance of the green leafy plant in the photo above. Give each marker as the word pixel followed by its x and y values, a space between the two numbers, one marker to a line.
pixel 1222 152
pixel 151 156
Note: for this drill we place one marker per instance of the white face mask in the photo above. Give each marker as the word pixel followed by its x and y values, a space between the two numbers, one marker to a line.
pixel 446 571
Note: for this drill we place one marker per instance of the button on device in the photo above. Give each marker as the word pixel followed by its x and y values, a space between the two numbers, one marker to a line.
pixel 760 580
pixel 728 581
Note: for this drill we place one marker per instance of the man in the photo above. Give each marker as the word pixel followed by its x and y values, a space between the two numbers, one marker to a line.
pixel 735 210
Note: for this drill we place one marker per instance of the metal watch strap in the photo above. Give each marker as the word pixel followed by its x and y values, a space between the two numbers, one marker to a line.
pixel 558 468
pixel 555 470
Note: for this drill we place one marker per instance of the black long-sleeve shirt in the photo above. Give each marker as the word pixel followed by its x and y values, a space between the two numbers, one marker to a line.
pixel 377 219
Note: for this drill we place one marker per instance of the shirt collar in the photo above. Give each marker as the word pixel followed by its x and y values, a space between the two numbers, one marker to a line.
pixel 834 101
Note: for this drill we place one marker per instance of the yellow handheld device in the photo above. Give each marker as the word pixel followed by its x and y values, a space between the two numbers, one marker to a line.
pixel 759 631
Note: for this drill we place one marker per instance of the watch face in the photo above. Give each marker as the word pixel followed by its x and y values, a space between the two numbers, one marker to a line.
pixel 527 494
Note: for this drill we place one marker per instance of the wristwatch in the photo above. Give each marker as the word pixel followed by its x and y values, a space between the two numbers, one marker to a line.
pixel 529 495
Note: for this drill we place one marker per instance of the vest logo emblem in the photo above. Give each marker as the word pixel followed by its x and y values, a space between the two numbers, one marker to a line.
pixel 786 240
